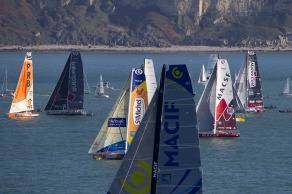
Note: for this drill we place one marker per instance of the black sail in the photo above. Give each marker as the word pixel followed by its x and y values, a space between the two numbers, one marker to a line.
pixel 69 91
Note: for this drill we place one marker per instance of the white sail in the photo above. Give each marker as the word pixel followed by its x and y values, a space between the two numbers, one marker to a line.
pixel 287 86
pixel 202 76
pixel 101 88
pixel 87 89
pixel 110 141
pixel 150 78
pixel 240 84
pixel 211 64
pixel 169 126
pixel 216 108
pixel 99 91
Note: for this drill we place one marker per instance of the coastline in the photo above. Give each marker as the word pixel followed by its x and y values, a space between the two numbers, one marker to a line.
pixel 105 48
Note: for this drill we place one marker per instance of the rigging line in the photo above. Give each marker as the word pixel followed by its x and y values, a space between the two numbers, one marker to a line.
pixel 135 153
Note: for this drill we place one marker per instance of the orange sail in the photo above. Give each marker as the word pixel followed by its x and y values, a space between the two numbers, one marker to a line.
pixel 22 103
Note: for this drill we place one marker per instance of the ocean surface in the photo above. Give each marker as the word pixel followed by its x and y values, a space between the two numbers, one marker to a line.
pixel 48 154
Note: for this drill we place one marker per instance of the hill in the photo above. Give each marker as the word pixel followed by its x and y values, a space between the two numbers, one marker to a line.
pixel 143 23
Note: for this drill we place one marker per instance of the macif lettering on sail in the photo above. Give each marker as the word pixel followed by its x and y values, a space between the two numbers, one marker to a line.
pixel 252 74
pixel 171 127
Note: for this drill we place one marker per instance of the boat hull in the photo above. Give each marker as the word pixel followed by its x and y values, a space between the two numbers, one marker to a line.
pixel 22 114
pixel 113 156
pixel 286 111
pixel 261 110
pixel 66 112
pixel 219 134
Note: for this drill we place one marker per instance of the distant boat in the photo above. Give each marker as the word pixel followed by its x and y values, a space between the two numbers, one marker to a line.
pixel 286 90
pixel 248 84
pixel 68 95
pixel 4 91
pixel 164 156
pixel 211 64
pixel 22 103
pixel 119 128
pixel 270 107
pixel 86 88
pixel 99 91
pixel 202 76
pixel 285 111
pixel 216 108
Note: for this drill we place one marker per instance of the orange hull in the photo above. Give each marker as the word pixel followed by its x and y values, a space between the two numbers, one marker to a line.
pixel 23 114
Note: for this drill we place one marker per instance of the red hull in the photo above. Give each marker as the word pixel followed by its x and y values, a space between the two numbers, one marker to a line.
pixel 219 135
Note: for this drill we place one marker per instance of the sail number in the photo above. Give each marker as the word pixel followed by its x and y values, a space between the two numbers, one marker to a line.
pixel 28 66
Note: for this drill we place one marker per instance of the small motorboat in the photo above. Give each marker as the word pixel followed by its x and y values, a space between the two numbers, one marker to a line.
pixel 286 111
pixel 270 107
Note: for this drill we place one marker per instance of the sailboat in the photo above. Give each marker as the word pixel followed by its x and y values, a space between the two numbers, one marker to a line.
pixel 67 97
pixel 216 108
pixel 4 91
pixel 164 156
pixel 122 122
pixel 202 76
pixel 86 89
pixel 211 64
pixel 99 91
pixel 248 84
pixel 286 90
pixel 22 103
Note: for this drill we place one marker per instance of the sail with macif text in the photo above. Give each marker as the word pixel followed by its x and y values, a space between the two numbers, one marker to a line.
pixel 164 156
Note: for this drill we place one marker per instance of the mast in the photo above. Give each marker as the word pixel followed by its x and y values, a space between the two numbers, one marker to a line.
pixel 157 131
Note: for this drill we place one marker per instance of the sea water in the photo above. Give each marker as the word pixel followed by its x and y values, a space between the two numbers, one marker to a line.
pixel 48 154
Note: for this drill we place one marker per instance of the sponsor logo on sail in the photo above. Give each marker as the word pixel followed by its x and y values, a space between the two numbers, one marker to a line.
pixel 28 74
pixel 138 71
pixel 73 76
pixel 223 85
pixel 252 75
pixel 140 181
pixel 117 122
pixel 176 73
pixel 171 127
pixel 138 110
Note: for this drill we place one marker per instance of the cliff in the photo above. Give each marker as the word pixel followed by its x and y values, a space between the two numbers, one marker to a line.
pixel 143 23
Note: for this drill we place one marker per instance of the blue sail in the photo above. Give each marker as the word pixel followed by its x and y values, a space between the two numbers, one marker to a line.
pixel 164 156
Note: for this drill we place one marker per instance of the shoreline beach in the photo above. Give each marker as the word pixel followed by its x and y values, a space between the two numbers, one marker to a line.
pixel 105 48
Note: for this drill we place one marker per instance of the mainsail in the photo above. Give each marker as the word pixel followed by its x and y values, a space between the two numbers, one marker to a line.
pixel 67 97
pixel 202 76
pixel 23 103
pixel 216 108
pixel 148 68
pixel 138 103
pixel 122 123
pixel 211 64
pixel 248 84
pixel 286 90
pixel 111 139
pixel 164 156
